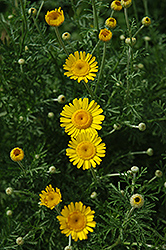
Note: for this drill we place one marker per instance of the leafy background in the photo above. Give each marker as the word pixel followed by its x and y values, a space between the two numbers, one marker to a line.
pixel 24 122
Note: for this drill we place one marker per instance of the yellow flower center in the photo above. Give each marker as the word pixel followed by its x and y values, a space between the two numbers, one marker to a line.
pixel 52 199
pixel 16 152
pixel 86 150
pixel 137 200
pixel 80 68
pixel 55 15
pixel 105 33
pixel 77 221
pixel 117 3
pixel 82 119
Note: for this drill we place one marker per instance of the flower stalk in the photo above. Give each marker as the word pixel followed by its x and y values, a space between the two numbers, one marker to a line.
pixel 60 40
pixel 101 67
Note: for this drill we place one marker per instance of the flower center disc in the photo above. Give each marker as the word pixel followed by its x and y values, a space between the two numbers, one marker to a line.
pixel 137 200
pixel 80 68
pixel 86 150
pixel 55 15
pixel 76 221
pixel 82 119
pixel 51 199
pixel 16 152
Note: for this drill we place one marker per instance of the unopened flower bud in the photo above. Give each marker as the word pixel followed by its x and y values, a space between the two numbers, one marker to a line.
pixel 68 248
pixel 146 21
pixel 140 65
pixel 26 48
pixel 52 170
pixel 117 126
pixel 122 192
pixel 165 184
pixel 19 241
pixel 61 99
pixel 122 37
pixel 9 212
pixel 37 156
pixel 93 195
pixel 134 169
pixel 9 191
pixel 10 17
pixel 126 3
pixel 141 126
pixel 21 61
pixel 137 201
pixel 131 41
pixel 158 173
pixel 147 38
pixel 149 151
pixel 32 11
pixel 66 36
pixel 21 118
pixel 110 22
pixel 50 115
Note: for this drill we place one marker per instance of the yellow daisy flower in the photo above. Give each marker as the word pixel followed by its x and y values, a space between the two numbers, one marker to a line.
pixel 77 220
pixel 85 151
pixel 105 35
pixel 50 198
pixel 146 21
pixel 126 3
pixel 81 66
pixel 116 5
pixel 55 17
pixel 110 22
pixel 137 201
pixel 81 116
pixel 17 154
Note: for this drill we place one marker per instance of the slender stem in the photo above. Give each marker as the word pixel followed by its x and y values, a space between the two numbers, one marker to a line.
pixel 145 7
pixel 24 26
pixel 57 209
pixel 93 173
pixel 101 67
pixel 138 30
pixel 22 167
pixel 133 182
pixel 127 22
pixel 95 18
pixel 60 41
pixel 135 11
pixel 41 6
pixel 109 133
pixel 112 12
pixel 69 240
pixel 97 44
pixel 89 90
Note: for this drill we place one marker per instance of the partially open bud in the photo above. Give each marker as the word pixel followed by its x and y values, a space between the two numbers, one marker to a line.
pixel 146 21
pixel 149 151
pixel 137 201
pixel 158 173
pixel 141 126
pixel 32 11
pixel 134 169
pixel 66 36
pixel 9 191
pixel 52 170
pixel 93 195
pixel 21 61
pixel 19 241
pixel 131 41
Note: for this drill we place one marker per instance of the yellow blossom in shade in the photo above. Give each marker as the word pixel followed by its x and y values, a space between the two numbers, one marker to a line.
pixel 146 21
pixel 81 116
pixel 116 5
pixel 126 3
pixel 137 201
pixel 85 151
pixel 81 66
pixel 55 17
pixel 110 22
pixel 105 35
pixel 76 220
pixel 50 198
pixel 17 154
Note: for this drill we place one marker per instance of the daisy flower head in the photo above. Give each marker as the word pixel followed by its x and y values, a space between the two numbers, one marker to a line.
pixel 116 5
pixel 85 151
pixel 81 66
pixel 17 154
pixel 77 220
pixel 137 201
pixel 81 116
pixel 126 3
pixel 50 198
pixel 110 22
pixel 146 21
pixel 55 17
pixel 105 35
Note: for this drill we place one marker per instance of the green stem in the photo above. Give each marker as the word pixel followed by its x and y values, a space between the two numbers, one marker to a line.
pixel 95 18
pixel 96 46
pixel 24 26
pixel 60 41
pixel 101 67
pixel 127 22
pixel 135 11
pixel 93 174
pixel 41 6
pixel 89 90
pixel 145 7
pixel 112 12
pixel 138 30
